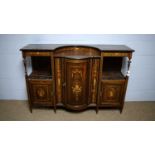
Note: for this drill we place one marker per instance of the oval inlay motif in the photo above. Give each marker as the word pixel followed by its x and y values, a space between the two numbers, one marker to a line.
pixel 40 92
pixel 111 93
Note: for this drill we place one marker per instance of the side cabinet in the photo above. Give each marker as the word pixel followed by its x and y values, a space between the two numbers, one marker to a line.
pixel 41 92
pixel 111 93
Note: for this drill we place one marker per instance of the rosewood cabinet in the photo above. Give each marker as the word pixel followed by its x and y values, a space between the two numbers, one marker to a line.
pixel 76 77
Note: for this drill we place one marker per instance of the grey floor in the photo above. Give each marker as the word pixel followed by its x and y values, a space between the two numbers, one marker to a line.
pixel 18 111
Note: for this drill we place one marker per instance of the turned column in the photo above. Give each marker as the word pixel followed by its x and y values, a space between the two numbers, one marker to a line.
pixel 26 77
pixel 126 81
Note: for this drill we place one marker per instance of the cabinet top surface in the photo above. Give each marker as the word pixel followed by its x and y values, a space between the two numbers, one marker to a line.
pixel 51 47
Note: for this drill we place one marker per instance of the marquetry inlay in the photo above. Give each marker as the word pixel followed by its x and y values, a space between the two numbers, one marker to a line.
pixel 95 68
pixel 58 80
pixel 76 77
pixel 76 86
pixel 40 92
pixel 111 93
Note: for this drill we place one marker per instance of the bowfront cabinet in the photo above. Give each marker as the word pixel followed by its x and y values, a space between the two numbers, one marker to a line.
pixel 76 83
pixel 76 77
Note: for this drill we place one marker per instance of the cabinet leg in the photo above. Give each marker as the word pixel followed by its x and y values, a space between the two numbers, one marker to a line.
pixel 30 109
pixel 96 110
pixel 121 110
pixel 54 109
pixel 30 106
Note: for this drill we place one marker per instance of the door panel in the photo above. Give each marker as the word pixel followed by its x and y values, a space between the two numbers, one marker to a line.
pixel 111 93
pixel 76 83
pixel 41 92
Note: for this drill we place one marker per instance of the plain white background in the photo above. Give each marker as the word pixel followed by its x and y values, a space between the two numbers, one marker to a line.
pixel 77 17
pixel 141 85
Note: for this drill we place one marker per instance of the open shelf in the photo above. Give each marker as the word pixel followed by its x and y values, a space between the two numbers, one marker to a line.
pixel 40 75
pixel 40 68
pixel 112 67
pixel 112 75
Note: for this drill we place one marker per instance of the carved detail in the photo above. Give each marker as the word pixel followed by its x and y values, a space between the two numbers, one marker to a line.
pixel 58 80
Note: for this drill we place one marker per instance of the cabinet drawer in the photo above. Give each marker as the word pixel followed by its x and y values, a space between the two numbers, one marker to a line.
pixel 111 93
pixel 41 92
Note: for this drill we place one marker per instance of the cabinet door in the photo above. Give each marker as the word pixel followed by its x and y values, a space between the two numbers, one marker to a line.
pixel 76 83
pixel 41 92
pixel 111 93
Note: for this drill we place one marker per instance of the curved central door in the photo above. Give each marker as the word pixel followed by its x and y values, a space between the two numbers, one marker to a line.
pixel 76 83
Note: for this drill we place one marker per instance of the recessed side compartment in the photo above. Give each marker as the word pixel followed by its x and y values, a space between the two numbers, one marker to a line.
pixel 111 93
pixel 41 92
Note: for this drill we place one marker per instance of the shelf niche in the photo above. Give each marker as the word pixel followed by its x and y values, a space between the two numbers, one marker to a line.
pixel 113 68
pixel 39 67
